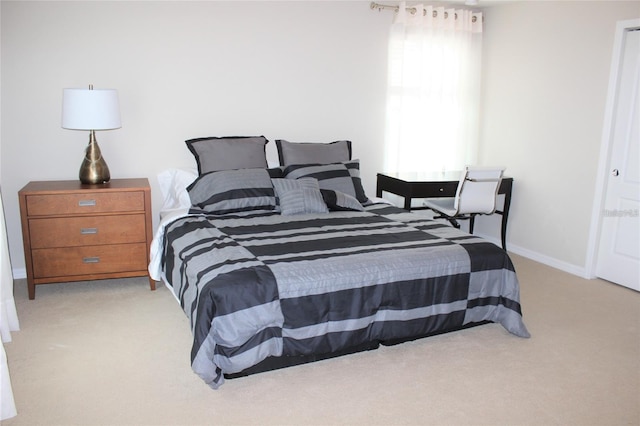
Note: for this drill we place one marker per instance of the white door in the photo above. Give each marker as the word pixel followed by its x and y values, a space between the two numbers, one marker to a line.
pixel 619 249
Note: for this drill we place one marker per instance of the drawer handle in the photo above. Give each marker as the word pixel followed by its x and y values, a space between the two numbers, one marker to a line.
pixel 88 231
pixel 87 203
pixel 91 260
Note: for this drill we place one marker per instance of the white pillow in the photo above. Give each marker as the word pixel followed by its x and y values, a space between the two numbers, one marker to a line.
pixel 173 185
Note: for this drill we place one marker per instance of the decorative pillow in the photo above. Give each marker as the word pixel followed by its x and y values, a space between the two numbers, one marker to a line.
pixel 339 201
pixel 343 177
pixel 299 196
pixel 227 153
pixel 231 191
pixel 313 153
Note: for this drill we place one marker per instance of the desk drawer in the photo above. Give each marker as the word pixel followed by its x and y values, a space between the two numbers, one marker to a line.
pixel 87 230
pixel 61 262
pixel 85 203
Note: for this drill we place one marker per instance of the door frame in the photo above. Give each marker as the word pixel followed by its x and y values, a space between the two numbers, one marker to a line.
pixel 606 146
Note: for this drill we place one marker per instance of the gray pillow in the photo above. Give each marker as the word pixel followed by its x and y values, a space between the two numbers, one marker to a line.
pixel 299 196
pixel 343 177
pixel 312 153
pixel 227 153
pixel 232 191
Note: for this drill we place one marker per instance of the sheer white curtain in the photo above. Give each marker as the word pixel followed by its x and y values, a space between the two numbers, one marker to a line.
pixel 8 320
pixel 433 89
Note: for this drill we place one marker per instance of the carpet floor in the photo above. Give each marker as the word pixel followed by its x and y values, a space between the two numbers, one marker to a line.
pixel 113 352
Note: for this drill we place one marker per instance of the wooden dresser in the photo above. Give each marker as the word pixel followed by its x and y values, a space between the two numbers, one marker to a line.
pixel 77 232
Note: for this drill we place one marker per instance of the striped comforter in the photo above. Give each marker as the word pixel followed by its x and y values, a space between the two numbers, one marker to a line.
pixel 268 285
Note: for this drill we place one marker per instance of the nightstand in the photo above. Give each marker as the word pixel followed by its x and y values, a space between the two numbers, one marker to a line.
pixel 77 232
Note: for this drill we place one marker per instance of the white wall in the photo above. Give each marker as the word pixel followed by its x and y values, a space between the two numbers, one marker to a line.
pixel 312 71
pixel 546 74
pixel 302 71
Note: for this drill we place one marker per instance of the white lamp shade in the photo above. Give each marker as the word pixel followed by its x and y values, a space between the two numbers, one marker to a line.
pixel 89 109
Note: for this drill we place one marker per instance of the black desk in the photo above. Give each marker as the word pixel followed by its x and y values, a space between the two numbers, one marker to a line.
pixel 433 185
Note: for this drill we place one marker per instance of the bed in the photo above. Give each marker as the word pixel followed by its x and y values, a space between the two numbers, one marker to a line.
pixel 280 266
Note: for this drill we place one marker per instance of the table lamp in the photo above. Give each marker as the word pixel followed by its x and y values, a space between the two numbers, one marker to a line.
pixel 89 109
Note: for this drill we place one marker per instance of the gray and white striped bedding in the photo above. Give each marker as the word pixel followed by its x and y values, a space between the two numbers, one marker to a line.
pixel 264 285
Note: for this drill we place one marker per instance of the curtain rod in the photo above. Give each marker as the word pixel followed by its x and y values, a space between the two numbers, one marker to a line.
pixel 412 10
pixel 382 7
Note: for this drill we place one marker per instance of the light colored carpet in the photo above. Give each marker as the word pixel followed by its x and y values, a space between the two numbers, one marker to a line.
pixel 114 353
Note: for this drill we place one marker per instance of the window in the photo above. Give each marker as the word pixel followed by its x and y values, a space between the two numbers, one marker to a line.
pixel 433 89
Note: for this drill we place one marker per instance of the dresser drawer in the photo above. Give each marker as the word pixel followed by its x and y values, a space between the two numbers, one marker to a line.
pixel 62 262
pixel 87 230
pixel 86 203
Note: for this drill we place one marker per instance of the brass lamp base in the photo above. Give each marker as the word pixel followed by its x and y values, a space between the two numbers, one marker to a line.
pixel 94 169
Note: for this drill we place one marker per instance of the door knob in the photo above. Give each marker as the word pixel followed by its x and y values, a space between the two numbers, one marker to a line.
pixel 615 172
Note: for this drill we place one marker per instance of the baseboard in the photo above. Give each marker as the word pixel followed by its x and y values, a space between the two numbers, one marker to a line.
pixel 540 258
pixel 19 273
